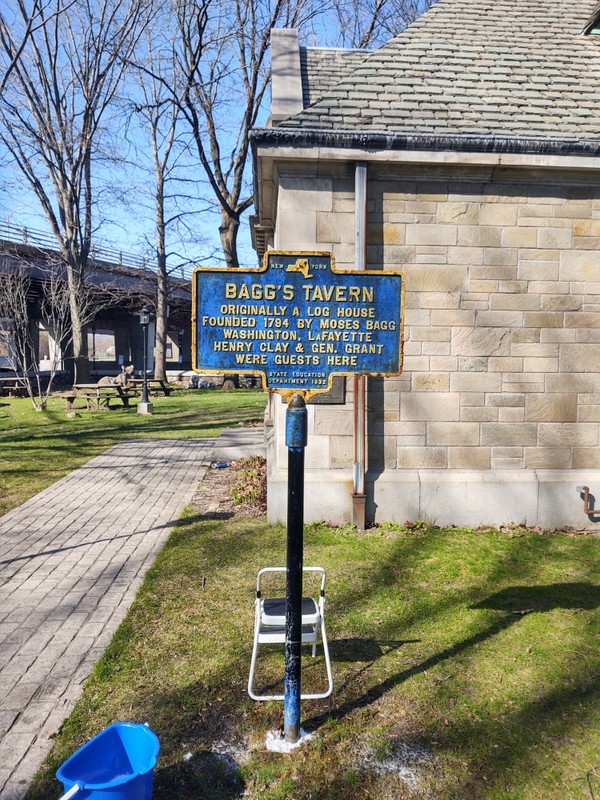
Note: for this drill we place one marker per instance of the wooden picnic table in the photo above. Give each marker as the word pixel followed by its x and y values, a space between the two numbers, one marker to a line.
pixel 154 385
pixel 97 397
pixel 12 386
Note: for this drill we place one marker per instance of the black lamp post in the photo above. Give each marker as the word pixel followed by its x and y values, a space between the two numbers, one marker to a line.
pixel 145 407
pixel 180 346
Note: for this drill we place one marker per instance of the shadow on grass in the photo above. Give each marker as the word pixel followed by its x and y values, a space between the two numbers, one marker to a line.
pixel 194 519
pixel 553 712
pixel 192 713
pixel 205 775
pixel 354 650
pixel 363 649
pixel 516 734
pixel 202 741
pixel 525 599
pixel 516 600
pixel 513 735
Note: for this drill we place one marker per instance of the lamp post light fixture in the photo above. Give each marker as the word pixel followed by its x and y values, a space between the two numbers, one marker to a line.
pixel 144 406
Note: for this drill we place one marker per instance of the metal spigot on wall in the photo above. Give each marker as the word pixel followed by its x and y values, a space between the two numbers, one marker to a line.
pixel 588 509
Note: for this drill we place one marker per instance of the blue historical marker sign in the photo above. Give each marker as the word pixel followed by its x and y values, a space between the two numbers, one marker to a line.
pixel 297 322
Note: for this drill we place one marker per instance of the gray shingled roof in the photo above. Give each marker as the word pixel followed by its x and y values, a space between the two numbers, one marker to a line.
pixel 324 67
pixel 499 68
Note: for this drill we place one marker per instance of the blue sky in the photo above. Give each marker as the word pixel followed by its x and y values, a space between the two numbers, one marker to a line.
pixel 129 230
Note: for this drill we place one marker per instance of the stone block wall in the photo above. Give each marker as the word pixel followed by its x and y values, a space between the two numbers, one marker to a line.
pixel 502 340
pixel 502 318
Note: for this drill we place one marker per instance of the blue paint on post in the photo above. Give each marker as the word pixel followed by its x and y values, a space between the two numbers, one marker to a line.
pixel 291 705
pixel 296 426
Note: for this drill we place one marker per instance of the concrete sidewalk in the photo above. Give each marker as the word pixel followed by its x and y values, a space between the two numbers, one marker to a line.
pixel 237 443
pixel 71 561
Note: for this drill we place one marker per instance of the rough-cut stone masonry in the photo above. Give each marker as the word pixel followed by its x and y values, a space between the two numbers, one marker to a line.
pixel 502 316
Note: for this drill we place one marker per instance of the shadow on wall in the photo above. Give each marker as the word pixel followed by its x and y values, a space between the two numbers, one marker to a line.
pixel 376 444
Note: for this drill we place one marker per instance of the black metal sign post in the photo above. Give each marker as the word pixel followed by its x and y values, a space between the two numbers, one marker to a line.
pixel 295 439
pixel 297 322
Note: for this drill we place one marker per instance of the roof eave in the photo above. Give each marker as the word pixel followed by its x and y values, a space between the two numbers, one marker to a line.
pixel 384 140
pixel 273 144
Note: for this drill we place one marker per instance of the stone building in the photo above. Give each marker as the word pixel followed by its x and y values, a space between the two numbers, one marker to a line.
pixel 465 152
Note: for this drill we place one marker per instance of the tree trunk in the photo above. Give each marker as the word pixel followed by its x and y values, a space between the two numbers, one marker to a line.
pixel 81 364
pixel 160 373
pixel 229 233
pixel 160 352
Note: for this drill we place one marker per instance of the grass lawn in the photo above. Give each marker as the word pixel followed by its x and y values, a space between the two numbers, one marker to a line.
pixel 37 449
pixel 466 666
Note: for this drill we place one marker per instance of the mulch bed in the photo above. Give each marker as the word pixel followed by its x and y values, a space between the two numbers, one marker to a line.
pixel 213 498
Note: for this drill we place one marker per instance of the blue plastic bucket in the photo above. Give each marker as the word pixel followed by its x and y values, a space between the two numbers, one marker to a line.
pixel 117 764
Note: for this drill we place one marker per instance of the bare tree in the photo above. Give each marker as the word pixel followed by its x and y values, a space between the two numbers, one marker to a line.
pixel 65 71
pixel 35 299
pixel 370 23
pixel 35 20
pixel 160 156
pixel 224 75
pixel 158 115
pixel 20 333
pixel 17 338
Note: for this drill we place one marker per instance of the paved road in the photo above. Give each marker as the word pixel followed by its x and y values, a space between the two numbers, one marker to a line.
pixel 71 561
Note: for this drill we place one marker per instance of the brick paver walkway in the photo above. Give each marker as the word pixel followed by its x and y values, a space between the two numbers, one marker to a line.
pixel 71 561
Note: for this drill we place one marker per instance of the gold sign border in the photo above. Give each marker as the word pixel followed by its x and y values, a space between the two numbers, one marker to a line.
pixel 288 393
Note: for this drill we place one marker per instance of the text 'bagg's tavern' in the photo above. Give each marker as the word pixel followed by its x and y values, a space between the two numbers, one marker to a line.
pixel 308 318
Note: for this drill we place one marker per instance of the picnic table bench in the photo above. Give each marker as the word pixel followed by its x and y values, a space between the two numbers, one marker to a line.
pixel 97 397
pixel 154 386
pixel 12 386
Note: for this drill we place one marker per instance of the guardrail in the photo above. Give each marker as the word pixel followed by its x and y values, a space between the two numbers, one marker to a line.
pixel 30 236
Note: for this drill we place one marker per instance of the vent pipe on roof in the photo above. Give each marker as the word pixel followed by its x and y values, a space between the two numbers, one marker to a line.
pixel 360 262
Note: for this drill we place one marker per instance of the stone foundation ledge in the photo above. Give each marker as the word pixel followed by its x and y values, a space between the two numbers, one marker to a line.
pixel 469 498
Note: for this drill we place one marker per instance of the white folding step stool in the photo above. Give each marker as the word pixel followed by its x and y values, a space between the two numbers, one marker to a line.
pixel 269 628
